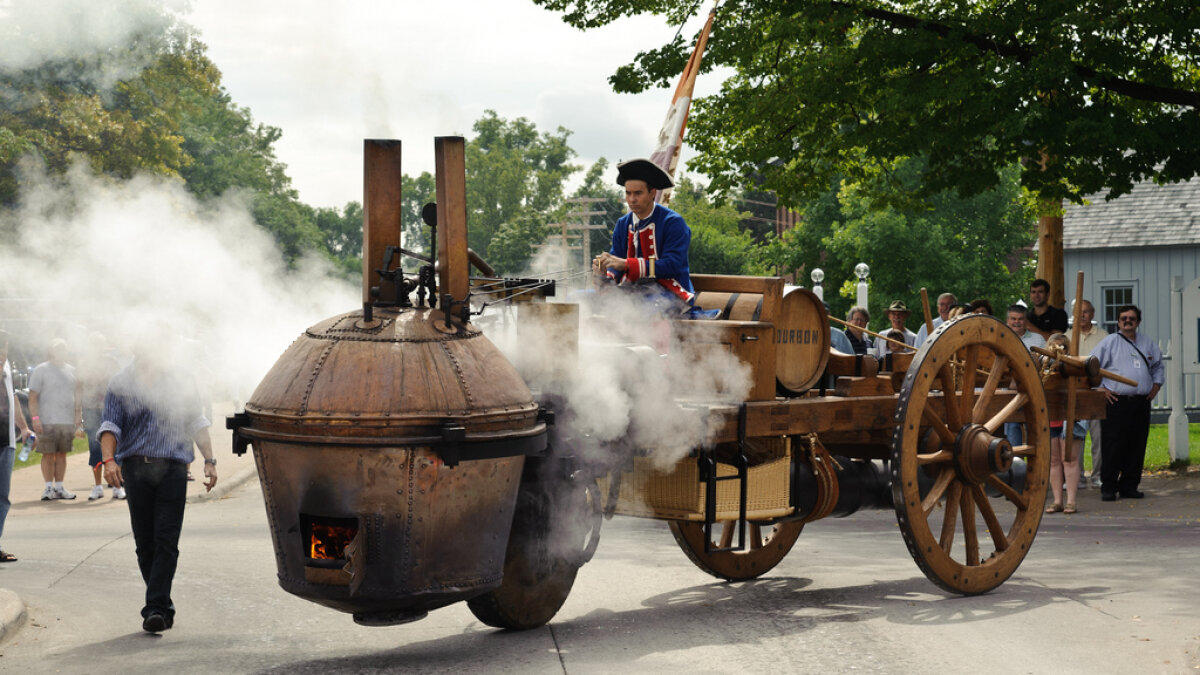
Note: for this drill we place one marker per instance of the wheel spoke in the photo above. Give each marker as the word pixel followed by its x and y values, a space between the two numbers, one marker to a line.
pixel 951 515
pixel 930 417
pixel 1006 412
pixel 938 489
pixel 970 537
pixel 989 388
pixel 970 362
pixel 950 401
pixel 755 535
pixel 989 517
pixel 935 457
pixel 1009 493
pixel 727 534
pixel 1024 450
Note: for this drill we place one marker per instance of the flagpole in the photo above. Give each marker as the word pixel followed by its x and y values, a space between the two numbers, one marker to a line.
pixel 670 137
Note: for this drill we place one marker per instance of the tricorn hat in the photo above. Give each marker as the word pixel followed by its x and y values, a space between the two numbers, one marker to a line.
pixel 644 170
pixel 898 306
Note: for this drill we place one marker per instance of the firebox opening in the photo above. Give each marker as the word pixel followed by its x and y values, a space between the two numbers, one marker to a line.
pixel 325 539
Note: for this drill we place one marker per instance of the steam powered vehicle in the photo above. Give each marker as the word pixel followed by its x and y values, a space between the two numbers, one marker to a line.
pixel 406 465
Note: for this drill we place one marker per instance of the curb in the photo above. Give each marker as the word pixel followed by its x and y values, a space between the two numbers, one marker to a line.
pixel 12 614
pixel 224 487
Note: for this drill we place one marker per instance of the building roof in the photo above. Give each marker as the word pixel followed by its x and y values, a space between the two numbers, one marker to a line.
pixel 1149 215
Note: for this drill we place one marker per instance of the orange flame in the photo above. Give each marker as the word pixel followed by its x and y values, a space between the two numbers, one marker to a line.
pixel 329 542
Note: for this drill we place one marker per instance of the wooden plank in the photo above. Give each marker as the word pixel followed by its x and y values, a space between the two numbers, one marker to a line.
pixel 451 180
pixel 381 207
pixel 863 413
pixel 728 283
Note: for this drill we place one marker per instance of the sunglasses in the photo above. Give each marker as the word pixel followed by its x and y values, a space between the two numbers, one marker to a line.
pixel 1131 319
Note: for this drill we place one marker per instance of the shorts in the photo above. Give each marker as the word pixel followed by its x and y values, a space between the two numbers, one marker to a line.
pixel 1080 431
pixel 55 438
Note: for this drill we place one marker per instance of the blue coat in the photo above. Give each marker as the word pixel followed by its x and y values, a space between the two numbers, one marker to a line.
pixel 656 248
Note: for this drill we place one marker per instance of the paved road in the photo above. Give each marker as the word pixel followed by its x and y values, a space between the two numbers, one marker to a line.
pixel 1112 589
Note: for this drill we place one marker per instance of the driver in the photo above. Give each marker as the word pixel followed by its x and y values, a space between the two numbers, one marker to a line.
pixel 650 243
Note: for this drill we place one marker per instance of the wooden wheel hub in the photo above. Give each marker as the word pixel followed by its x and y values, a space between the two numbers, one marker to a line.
pixel 978 454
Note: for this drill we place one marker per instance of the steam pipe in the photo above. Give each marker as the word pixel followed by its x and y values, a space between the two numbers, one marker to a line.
pixel 381 211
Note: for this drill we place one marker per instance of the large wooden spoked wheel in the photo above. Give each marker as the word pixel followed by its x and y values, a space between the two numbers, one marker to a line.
pixel 766 545
pixel 971 377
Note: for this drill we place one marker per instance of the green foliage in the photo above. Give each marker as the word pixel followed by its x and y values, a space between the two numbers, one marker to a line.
pixel 151 104
pixel 514 175
pixel 598 183
pixel 511 249
pixel 415 193
pixel 824 90
pixel 343 235
pixel 718 245
pixel 962 245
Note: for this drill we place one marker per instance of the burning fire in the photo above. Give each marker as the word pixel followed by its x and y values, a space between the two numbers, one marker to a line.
pixel 329 542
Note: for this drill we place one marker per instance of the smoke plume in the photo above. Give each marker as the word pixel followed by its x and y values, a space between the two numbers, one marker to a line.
pixel 91 254
pixel 632 383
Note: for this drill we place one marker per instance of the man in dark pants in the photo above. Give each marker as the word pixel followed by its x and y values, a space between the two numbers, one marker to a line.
pixel 152 415
pixel 1127 424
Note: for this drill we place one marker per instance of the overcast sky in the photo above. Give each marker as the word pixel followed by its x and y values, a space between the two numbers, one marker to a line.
pixel 330 74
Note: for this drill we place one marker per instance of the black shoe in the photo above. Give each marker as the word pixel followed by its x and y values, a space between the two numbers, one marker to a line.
pixel 155 623
pixel 1133 494
pixel 1108 496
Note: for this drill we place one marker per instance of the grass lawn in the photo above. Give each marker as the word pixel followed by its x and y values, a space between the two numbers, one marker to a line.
pixel 1158 457
pixel 79 445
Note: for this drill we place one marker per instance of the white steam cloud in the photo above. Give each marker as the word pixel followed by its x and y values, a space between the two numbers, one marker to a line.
pixel 632 383
pixel 91 254
pixel 97 42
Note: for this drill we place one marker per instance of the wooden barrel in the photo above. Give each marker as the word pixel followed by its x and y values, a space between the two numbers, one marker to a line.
pixel 802 341
pixel 801 334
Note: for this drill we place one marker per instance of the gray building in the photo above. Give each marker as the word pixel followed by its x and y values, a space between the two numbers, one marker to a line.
pixel 1128 249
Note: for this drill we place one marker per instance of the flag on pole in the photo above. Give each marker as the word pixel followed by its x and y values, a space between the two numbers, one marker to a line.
pixel 670 137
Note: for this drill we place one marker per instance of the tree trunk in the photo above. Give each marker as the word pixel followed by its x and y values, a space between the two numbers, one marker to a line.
pixel 1050 250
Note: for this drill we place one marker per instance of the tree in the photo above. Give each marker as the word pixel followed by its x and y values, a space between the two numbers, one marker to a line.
pixel 599 183
pixel 515 178
pixel 513 173
pixel 415 193
pixel 719 245
pixel 963 245
pixel 151 102
pixel 343 235
pixel 56 111
pixel 1090 94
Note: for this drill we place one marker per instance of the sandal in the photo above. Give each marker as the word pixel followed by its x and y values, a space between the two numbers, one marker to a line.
pixel 1070 509
pixel 1054 508
pixel 7 557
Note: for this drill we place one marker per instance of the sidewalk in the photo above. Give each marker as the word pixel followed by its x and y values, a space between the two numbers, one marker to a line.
pixel 27 486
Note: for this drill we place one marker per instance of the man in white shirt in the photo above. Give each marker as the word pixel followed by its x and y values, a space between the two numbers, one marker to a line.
pixel 1090 335
pixel 897 314
pixel 945 303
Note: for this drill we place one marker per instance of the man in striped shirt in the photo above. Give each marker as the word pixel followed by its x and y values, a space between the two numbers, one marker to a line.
pixel 152 416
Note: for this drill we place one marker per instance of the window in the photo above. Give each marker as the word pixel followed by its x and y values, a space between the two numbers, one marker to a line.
pixel 1114 297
